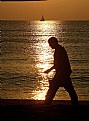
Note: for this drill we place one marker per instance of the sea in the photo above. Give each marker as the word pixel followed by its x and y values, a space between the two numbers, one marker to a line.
pixel 26 54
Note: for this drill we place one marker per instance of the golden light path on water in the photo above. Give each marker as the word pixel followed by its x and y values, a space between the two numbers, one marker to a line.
pixel 44 56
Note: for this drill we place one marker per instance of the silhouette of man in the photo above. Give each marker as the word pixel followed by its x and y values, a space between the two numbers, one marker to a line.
pixel 62 75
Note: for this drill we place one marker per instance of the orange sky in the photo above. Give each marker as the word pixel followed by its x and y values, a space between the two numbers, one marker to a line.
pixel 51 9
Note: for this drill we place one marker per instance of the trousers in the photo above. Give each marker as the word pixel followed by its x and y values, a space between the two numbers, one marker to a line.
pixel 61 81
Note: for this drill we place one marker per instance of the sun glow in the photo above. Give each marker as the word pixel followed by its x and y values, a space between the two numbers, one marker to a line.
pixel 40 95
pixel 44 59
pixel 46 28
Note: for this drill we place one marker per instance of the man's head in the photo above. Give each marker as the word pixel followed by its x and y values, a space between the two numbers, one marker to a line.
pixel 53 42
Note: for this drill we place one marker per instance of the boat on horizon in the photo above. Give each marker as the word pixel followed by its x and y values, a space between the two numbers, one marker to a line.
pixel 42 18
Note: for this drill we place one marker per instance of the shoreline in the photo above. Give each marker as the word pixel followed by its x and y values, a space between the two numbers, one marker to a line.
pixel 4 102
pixel 35 110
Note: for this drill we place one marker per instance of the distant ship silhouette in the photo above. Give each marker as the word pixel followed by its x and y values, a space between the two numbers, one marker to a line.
pixel 42 18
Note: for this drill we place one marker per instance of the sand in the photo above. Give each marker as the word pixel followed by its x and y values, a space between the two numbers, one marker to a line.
pixel 35 110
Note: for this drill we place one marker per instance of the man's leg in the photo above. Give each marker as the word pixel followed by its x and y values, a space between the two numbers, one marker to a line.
pixel 70 89
pixel 51 92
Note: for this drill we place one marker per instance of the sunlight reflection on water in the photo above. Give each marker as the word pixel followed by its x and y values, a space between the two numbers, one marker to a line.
pixel 44 58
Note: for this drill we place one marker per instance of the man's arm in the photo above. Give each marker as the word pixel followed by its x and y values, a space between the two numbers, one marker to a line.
pixel 48 70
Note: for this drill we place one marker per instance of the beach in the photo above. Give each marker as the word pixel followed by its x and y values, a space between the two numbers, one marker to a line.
pixel 35 110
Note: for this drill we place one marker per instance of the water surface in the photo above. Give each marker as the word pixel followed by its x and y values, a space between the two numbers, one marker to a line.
pixel 25 55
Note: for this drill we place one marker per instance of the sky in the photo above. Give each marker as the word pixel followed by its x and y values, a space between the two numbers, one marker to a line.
pixel 51 9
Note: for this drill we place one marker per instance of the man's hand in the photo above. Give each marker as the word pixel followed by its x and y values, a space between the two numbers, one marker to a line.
pixel 47 71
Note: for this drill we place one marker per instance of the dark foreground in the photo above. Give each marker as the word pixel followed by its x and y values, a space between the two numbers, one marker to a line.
pixel 33 110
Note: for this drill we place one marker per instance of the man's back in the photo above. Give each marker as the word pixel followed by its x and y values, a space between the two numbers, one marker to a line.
pixel 61 61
